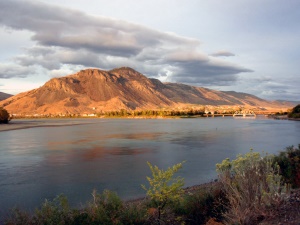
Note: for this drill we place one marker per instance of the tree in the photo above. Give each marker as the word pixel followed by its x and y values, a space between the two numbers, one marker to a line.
pixel 164 187
pixel 4 116
pixel 295 113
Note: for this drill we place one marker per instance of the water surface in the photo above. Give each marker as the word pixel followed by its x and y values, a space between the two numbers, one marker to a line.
pixel 42 162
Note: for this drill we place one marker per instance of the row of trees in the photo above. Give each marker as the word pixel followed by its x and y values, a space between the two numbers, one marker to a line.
pixel 154 113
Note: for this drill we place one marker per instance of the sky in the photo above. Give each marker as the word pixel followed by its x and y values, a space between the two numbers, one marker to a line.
pixel 250 46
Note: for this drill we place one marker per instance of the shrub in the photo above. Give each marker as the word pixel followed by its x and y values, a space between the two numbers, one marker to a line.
pixel 106 208
pixel 50 213
pixel 252 187
pixel 134 213
pixel 164 188
pixel 17 217
pixel 203 204
pixel 54 212
pixel 4 116
pixel 289 163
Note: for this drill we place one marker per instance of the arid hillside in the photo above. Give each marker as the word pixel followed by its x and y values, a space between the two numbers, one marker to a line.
pixel 93 90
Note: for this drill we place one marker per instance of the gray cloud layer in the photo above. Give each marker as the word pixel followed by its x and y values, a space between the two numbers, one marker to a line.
pixel 69 37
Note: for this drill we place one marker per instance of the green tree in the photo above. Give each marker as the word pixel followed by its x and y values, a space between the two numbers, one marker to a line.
pixel 295 113
pixel 289 163
pixel 164 187
pixel 4 116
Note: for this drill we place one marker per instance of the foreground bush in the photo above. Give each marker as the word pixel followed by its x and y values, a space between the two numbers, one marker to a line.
pixel 289 162
pixel 202 205
pixel 4 116
pixel 252 186
pixel 106 208
pixel 164 188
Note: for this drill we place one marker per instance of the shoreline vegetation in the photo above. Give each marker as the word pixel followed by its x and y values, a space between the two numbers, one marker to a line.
pixel 272 197
pixel 204 111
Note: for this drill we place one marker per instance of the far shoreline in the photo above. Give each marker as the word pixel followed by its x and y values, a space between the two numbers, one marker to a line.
pixel 26 123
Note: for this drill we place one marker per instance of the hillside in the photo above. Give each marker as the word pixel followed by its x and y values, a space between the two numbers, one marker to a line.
pixel 94 90
pixel 4 96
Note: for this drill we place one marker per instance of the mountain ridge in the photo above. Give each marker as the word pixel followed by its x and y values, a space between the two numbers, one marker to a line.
pixel 95 90
pixel 4 96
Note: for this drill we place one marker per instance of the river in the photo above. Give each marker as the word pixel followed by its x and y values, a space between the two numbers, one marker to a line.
pixel 41 162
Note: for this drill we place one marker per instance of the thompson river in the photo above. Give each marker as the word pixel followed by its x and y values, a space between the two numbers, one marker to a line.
pixel 41 162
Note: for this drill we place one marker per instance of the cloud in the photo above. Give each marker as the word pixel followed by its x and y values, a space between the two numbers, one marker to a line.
pixel 222 53
pixel 64 71
pixel 269 88
pixel 11 70
pixel 65 37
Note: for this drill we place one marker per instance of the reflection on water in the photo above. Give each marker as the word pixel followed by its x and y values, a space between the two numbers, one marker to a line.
pixel 97 152
pixel 149 136
pixel 43 162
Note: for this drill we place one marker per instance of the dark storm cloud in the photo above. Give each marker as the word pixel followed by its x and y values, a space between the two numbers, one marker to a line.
pixel 70 37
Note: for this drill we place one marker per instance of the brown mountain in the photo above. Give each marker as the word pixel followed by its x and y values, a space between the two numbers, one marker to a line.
pixel 4 96
pixel 94 90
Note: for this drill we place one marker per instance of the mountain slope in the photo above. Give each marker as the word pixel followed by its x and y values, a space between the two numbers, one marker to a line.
pixel 94 90
pixel 4 96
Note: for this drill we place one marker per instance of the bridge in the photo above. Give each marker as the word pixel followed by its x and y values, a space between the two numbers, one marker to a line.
pixel 244 113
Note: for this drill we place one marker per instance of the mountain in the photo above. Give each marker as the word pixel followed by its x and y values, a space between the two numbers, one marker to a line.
pixel 4 96
pixel 290 104
pixel 94 90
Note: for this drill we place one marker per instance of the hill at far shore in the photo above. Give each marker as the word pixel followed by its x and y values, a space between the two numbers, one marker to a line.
pixel 94 90
pixel 4 96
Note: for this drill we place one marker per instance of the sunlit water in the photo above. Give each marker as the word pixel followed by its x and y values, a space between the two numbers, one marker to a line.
pixel 40 163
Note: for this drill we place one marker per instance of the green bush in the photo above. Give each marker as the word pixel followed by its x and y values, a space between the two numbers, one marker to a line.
pixel 289 163
pixel 134 214
pixel 54 212
pixel 4 116
pixel 51 213
pixel 252 186
pixel 203 204
pixel 106 208
pixel 18 217
pixel 164 188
